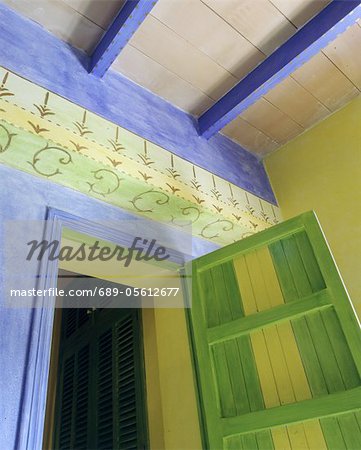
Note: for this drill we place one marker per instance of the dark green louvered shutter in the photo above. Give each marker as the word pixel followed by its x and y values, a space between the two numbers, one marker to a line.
pixel 120 421
pixel 74 319
pixel 101 401
pixel 74 409
pixel 129 431
pixel 66 409
pixel 104 389
pixel 277 345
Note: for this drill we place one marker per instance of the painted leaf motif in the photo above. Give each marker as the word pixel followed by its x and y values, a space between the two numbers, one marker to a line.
pixel 191 212
pixel 146 201
pixel 47 160
pixel 214 229
pixel 5 138
pixel 4 91
pixel 106 182
pixel 37 128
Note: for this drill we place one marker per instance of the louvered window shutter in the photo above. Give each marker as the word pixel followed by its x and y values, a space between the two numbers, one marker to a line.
pixel 119 414
pixel 101 395
pixel 276 343
pixel 74 409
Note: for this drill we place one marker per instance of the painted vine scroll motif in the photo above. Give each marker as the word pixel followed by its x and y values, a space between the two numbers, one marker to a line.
pixel 48 136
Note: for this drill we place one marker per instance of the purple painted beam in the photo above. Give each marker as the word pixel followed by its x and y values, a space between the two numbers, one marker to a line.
pixel 128 20
pixel 333 20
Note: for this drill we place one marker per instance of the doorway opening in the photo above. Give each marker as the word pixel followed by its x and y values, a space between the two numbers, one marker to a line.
pixel 148 278
pixel 96 392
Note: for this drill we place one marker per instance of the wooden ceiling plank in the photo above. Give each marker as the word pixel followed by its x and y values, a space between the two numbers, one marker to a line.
pixel 195 22
pixel 61 20
pixel 98 11
pixel 271 121
pixel 148 73
pixel 345 53
pixel 272 27
pixel 249 137
pixel 163 45
pixel 326 82
pixel 300 11
pixel 295 101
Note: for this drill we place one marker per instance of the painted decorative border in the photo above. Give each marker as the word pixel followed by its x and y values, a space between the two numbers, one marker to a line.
pixel 48 136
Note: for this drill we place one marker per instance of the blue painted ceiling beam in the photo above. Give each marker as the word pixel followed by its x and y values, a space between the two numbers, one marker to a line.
pixel 334 19
pixel 128 20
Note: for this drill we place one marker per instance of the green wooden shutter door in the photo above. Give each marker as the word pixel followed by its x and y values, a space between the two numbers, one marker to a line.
pixel 277 345
pixel 66 411
pixel 128 422
pixel 119 420
pixel 104 389
pixel 73 431
pixel 101 401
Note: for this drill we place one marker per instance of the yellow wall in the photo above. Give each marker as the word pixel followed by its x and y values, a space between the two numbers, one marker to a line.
pixel 321 170
pixel 176 396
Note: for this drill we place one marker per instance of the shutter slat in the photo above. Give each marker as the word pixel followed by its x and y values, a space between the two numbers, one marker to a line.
pixel 127 400
pixel 82 399
pixel 66 412
pixel 105 391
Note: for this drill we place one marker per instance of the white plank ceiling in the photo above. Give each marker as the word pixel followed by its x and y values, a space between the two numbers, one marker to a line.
pixel 191 52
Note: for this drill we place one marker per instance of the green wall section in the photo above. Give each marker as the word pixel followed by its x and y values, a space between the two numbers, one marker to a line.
pixel 321 170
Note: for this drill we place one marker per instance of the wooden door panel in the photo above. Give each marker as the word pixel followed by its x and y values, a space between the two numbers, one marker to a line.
pixel 276 343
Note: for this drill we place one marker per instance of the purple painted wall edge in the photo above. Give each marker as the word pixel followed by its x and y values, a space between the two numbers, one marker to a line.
pixel 30 51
